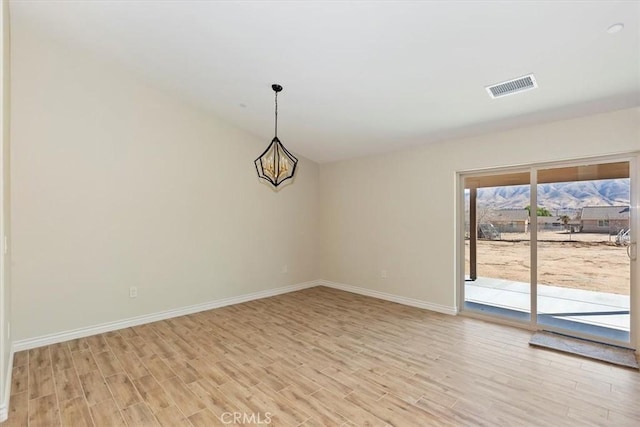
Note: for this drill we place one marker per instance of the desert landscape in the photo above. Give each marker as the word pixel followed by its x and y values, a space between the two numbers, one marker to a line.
pixel 588 261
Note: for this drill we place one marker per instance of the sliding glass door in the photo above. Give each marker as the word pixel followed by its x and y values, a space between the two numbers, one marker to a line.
pixel 551 246
pixel 497 242
pixel 583 270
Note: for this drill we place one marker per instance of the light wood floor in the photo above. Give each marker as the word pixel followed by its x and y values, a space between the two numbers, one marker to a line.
pixel 317 357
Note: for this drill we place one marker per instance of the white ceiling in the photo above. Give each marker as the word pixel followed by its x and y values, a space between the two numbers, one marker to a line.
pixel 364 77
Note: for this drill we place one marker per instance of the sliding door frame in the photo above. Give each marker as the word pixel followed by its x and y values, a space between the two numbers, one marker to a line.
pixel 460 297
pixel 634 224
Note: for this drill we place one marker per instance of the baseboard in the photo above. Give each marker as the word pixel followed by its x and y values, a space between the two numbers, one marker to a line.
pixel 4 406
pixel 389 297
pixel 58 337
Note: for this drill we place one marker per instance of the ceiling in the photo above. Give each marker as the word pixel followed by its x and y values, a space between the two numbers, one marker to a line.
pixel 364 77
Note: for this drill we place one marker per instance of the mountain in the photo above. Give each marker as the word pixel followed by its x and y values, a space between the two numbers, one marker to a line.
pixel 559 197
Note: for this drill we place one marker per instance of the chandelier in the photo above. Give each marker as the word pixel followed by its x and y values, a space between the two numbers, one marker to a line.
pixel 276 164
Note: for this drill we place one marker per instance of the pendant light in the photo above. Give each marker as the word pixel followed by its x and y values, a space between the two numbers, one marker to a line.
pixel 276 164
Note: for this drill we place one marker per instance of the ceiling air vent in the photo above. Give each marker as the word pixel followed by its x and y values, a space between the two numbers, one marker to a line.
pixel 510 87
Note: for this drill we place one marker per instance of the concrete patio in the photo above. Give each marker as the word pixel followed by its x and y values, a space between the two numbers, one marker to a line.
pixel 575 306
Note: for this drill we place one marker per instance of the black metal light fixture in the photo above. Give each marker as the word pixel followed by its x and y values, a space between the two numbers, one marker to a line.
pixel 276 164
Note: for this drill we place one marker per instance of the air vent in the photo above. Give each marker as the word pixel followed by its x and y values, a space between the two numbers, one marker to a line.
pixel 510 87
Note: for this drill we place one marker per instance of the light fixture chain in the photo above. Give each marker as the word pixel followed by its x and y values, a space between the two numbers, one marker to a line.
pixel 276 131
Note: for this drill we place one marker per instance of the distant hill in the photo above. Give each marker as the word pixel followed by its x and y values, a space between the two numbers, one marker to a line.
pixel 559 198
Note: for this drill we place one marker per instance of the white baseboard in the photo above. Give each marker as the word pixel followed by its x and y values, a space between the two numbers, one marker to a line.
pixel 58 337
pixel 4 405
pixel 389 297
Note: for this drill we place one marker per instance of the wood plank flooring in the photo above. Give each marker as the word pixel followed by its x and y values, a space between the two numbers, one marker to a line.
pixel 318 357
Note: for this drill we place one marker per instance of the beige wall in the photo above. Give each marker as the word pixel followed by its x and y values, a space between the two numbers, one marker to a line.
pixel 5 267
pixel 116 184
pixel 397 212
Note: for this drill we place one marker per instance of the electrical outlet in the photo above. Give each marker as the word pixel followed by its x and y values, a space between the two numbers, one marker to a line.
pixel 133 292
pixel 383 274
pixel 285 269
